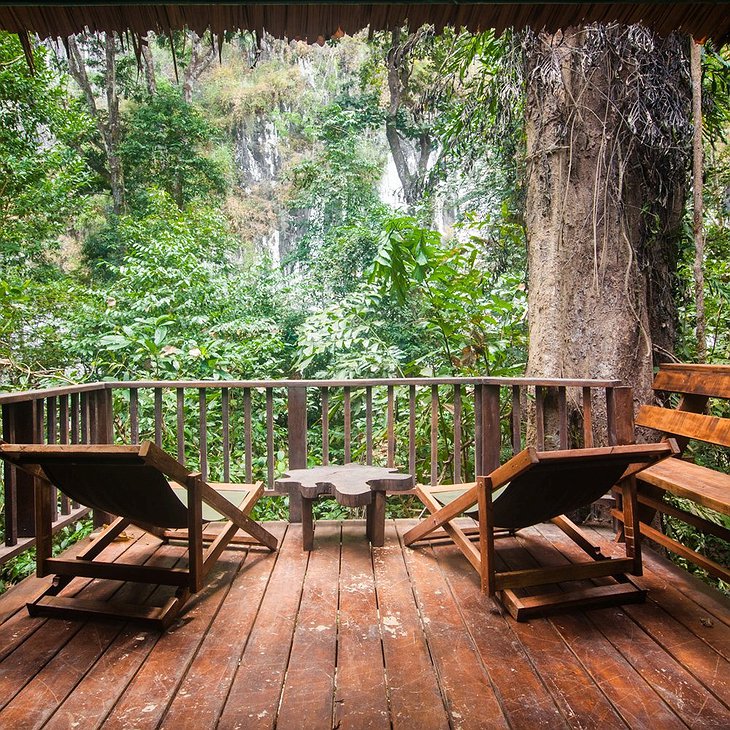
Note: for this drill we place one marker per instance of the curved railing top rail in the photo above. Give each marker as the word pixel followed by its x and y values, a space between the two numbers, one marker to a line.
pixel 292 383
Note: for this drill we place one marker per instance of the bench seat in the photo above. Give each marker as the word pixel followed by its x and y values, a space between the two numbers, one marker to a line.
pixel 699 484
pixel 707 488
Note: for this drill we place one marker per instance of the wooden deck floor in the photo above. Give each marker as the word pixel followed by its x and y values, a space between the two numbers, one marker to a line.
pixel 347 637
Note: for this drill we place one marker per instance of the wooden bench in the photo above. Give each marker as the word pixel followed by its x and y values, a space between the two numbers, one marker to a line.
pixel 706 487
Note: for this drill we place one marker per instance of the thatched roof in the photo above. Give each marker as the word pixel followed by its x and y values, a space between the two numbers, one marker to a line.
pixel 313 21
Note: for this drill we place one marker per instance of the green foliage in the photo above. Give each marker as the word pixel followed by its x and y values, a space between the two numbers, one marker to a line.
pixel 177 306
pixel 168 143
pixel 346 340
pixel 479 323
pixel 40 172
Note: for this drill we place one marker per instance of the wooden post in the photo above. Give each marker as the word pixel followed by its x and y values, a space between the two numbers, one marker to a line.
pixel 297 433
pixel 101 431
pixel 620 415
pixel 491 440
pixel 20 426
pixel 620 421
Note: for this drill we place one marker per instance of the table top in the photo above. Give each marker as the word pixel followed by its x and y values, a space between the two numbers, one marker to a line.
pixel 352 485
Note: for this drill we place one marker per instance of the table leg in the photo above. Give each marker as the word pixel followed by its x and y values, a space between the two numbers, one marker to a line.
pixel 376 519
pixel 307 524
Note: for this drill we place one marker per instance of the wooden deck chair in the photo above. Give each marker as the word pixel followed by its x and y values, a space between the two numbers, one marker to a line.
pixel 537 486
pixel 145 487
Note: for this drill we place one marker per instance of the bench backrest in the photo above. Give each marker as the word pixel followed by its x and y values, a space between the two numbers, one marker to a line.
pixel 697 384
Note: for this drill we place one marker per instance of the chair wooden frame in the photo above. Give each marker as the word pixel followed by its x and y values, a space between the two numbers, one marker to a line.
pixel 200 559
pixel 503 584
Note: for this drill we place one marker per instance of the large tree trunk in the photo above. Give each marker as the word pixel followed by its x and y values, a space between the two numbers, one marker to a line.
pixel 590 252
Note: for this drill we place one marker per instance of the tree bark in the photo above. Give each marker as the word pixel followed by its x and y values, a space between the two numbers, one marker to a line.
pixel 697 186
pixel 399 70
pixel 149 65
pixel 108 124
pixel 200 60
pixel 589 255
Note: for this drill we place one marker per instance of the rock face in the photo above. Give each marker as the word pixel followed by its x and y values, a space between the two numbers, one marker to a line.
pixel 257 155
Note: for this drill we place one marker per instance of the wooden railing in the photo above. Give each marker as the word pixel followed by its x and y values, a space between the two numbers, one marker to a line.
pixel 441 429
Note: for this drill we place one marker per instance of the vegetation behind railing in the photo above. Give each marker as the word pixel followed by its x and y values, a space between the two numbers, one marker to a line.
pixel 440 429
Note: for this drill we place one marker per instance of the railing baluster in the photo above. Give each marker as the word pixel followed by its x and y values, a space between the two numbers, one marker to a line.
pixel 51 420
pixel 325 426
pixel 85 419
pixel 203 431
pixel 563 417
pixel 539 418
pixel 347 424
pixel 270 437
pixel 457 434
pixel 390 426
pixel 63 419
pixel 369 425
pixel 491 428
pixel 51 430
pixel 40 422
pixel 74 418
pixel 516 420
pixel 10 480
pixel 247 428
pixel 587 419
pixel 225 416
pixel 180 429
pixel 158 417
pixel 412 429
pixel 63 437
pixel 434 433
pixel 134 415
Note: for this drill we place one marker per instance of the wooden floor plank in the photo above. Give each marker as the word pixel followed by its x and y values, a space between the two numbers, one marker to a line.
pixel 32 707
pixel 20 625
pixel 632 698
pixel 636 632
pixel 308 695
pixel 44 638
pixel 703 595
pixel 580 701
pixel 470 697
pixel 675 603
pixel 148 695
pixel 254 695
pixel 418 646
pixel 523 694
pixel 415 698
pixel 207 683
pixel 361 699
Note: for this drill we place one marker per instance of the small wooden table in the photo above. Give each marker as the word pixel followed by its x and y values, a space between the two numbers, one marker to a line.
pixel 352 485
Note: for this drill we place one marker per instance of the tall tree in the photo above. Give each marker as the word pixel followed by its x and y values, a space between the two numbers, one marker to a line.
pixel 200 60
pixel 108 120
pixel 607 133
pixel 409 136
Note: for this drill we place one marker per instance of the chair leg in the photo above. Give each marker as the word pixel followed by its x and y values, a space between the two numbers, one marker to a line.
pixel 195 532
pixel 632 528
pixel 486 536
